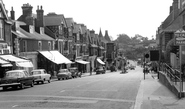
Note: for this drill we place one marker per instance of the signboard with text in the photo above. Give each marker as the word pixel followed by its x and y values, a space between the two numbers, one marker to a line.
pixel 180 37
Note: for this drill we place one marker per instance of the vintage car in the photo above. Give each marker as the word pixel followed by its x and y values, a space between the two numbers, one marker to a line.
pixel 132 67
pixel 74 72
pixel 100 70
pixel 40 75
pixel 64 74
pixel 16 78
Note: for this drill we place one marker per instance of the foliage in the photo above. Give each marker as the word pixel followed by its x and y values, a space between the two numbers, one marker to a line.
pixel 129 45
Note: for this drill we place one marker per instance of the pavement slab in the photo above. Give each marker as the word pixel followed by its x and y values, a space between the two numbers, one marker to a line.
pixel 157 96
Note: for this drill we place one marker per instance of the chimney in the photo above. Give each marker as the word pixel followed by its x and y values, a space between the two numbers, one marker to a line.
pixel 171 9
pixel 40 17
pixel 175 9
pixel 12 14
pixel 27 9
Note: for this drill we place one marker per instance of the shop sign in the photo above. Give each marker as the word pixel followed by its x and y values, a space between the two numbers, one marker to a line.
pixel 180 37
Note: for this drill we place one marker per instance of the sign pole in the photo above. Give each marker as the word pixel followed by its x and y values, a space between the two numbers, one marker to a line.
pixel 180 50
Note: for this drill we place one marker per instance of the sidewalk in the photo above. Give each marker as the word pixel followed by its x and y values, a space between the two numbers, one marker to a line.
pixel 154 95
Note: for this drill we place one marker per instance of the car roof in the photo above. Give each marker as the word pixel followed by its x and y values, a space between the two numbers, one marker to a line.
pixel 16 70
pixel 38 70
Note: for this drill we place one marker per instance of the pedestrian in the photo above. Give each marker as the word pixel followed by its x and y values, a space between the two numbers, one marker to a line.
pixel 90 70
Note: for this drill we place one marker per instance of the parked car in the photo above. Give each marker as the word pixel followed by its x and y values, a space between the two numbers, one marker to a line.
pixel 40 75
pixel 16 78
pixel 113 68
pixel 132 67
pixel 100 70
pixel 74 72
pixel 64 74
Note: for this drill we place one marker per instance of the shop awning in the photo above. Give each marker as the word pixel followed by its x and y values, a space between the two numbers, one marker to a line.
pixel 100 61
pixel 55 57
pixel 81 62
pixel 5 63
pixel 20 62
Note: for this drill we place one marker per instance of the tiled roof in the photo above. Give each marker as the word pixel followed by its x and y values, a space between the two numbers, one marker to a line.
pixel 69 22
pixel 52 20
pixel 84 29
pixel 24 34
pixel 77 28
pixel 175 25
pixel 4 10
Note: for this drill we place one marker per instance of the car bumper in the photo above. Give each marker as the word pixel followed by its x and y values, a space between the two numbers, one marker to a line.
pixel 12 84
pixel 38 80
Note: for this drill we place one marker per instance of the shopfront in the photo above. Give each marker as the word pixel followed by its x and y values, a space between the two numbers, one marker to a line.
pixel 52 61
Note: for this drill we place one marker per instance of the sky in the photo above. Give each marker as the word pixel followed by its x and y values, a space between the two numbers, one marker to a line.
pixel 129 17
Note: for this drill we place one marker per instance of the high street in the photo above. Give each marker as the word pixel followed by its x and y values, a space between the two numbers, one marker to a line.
pixel 105 91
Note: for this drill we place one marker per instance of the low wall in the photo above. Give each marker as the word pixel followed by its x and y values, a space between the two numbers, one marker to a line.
pixel 164 80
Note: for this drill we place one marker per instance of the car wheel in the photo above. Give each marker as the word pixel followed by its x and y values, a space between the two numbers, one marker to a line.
pixel 58 78
pixel 42 81
pixel 49 81
pixel 14 87
pixel 32 84
pixel 22 86
pixel 4 88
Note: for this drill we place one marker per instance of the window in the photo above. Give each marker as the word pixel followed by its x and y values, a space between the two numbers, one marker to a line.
pixel 49 45
pixel 40 45
pixel 78 37
pixel 24 46
pixel 1 30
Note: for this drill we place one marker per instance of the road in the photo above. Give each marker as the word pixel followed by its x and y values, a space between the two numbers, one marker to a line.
pixel 105 91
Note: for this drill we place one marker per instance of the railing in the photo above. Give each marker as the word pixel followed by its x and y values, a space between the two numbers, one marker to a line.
pixel 175 75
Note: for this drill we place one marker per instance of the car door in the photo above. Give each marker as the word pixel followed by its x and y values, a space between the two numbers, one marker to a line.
pixel 28 79
pixel 46 75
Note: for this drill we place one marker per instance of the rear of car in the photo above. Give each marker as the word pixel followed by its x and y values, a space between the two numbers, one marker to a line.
pixel 16 78
pixel 100 70
pixel 40 75
pixel 74 72
pixel 64 74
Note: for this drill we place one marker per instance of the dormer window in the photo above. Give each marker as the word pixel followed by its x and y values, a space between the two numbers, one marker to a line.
pixel 31 29
pixel 40 45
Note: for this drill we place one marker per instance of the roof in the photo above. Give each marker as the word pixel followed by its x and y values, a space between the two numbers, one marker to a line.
pixel 69 22
pixel 77 28
pixel 3 9
pixel 107 36
pixel 174 26
pixel 54 19
pixel 24 34
pixel 84 29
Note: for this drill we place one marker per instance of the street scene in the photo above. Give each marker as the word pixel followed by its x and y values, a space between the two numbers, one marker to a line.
pixel 112 90
pixel 92 55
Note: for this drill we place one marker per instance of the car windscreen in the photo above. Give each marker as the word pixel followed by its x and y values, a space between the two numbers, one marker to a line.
pixel 13 74
pixel 35 72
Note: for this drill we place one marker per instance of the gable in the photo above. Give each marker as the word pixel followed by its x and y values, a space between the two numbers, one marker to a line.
pixel 3 10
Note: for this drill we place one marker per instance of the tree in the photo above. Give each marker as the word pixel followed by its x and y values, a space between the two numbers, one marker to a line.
pixel 123 38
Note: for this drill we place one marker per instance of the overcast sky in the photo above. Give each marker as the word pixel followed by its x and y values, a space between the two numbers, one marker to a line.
pixel 130 17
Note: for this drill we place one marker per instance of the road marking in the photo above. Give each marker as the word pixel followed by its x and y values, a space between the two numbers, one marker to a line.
pixel 139 97
pixel 51 101
pixel 14 106
pixel 62 91
pixel 72 97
